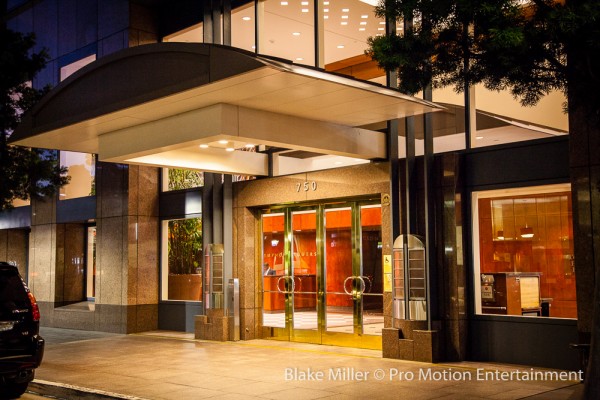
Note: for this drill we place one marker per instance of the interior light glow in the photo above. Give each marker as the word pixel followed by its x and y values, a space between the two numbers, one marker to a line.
pixel 326 17
pixel 229 149
pixel 296 33
pixel 361 29
pixel 340 46
pixel 246 18
pixel 363 22
pixel 345 10
pixel 478 137
pixel 250 145
pixel 204 146
pixel 326 3
pixel 380 29
pixel 344 23
pixel 284 3
pixel 326 10
pixel 304 3
pixel 371 2
pixel 344 17
pixel 381 22
pixel 364 16
pixel 305 10
pixel 223 141
pixel 299 59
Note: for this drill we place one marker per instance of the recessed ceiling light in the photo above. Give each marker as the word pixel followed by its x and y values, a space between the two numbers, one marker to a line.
pixel 250 145
pixel 204 146
pixel 284 3
pixel 229 149
pixel 299 59
pixel 296 33
pixel 326 3
pixel 305 10
pixel 361 29
pixel 326 10
pixel 304 3
pixel 246 18
pixel 344 23
pixel 345 10
pixel 381 22
pixel 253 46
pixel 340 46
pixel 364 16
pixel 363 22
pixel 223 141
pixel 344 17
pixel 478 137
pixel 326 17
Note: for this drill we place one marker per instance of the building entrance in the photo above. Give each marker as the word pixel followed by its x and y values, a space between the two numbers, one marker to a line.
pixel 322 274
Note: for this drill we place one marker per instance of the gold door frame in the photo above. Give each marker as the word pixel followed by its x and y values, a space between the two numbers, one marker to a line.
pixel 320 335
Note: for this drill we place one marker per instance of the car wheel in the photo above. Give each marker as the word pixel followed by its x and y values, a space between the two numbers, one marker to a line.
pixel 12 390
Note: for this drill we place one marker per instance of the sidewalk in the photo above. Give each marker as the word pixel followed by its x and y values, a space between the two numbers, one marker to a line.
pixel 171 365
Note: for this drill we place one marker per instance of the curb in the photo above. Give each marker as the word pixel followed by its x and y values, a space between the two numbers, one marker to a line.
pixel 63 391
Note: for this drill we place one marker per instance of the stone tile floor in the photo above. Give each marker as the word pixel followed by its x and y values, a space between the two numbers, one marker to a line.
pixel 172 365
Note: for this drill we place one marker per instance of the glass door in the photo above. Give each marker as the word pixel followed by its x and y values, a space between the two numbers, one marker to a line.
pixel 322 274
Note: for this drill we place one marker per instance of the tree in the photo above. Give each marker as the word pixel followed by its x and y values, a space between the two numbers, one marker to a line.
pixel 24 173
pixel 530 48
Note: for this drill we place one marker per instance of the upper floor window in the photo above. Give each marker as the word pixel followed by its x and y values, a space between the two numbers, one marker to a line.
pixel 82 170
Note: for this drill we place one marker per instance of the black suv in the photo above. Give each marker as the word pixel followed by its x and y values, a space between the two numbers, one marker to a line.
pixel 21 347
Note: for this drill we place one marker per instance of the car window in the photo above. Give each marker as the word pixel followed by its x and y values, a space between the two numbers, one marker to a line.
pixel 12 293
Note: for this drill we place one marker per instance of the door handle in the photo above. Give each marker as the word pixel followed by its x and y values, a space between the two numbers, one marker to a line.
pixel 346 281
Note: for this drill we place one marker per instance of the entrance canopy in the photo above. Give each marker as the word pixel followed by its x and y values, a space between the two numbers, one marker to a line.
pixel 191 105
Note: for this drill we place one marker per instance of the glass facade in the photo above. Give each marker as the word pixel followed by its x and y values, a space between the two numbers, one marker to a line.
pixel 82 170
pixel 525 263
pixel 182 259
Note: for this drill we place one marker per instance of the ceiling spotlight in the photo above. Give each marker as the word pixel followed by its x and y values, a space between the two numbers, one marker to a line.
pixel 284 3
pixel 361 29
pixel 381 22
pixel 344 17
pixel 299 59
pixel 344 23
pixel 304 3
pixel 229 149
pixel 246 18
pixel 296 33
pixel 345 10
pixel 204 146
pixel 364 16
pixel 305 10
pixel 363 23
pixel 340 46
pixel 326 10
pixel 326 3
pixel 380 29
pixel 478 137
pixel 326 17
pixel 223 141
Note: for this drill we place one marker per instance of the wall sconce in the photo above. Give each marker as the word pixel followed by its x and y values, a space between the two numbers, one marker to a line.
pixel 500 235
pixel 527 232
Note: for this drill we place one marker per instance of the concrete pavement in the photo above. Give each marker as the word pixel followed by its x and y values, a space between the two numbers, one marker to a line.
pixel 172 365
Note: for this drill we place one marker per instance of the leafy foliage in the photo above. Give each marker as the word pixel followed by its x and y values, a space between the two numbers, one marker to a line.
pixel 185 246
pixel 185 179
pixel 24 173
pixel 504 44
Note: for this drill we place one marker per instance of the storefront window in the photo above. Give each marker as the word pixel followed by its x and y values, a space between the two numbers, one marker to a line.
pixel 82 170
pixel 178 179
pixel 181 259
pixel 524 252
